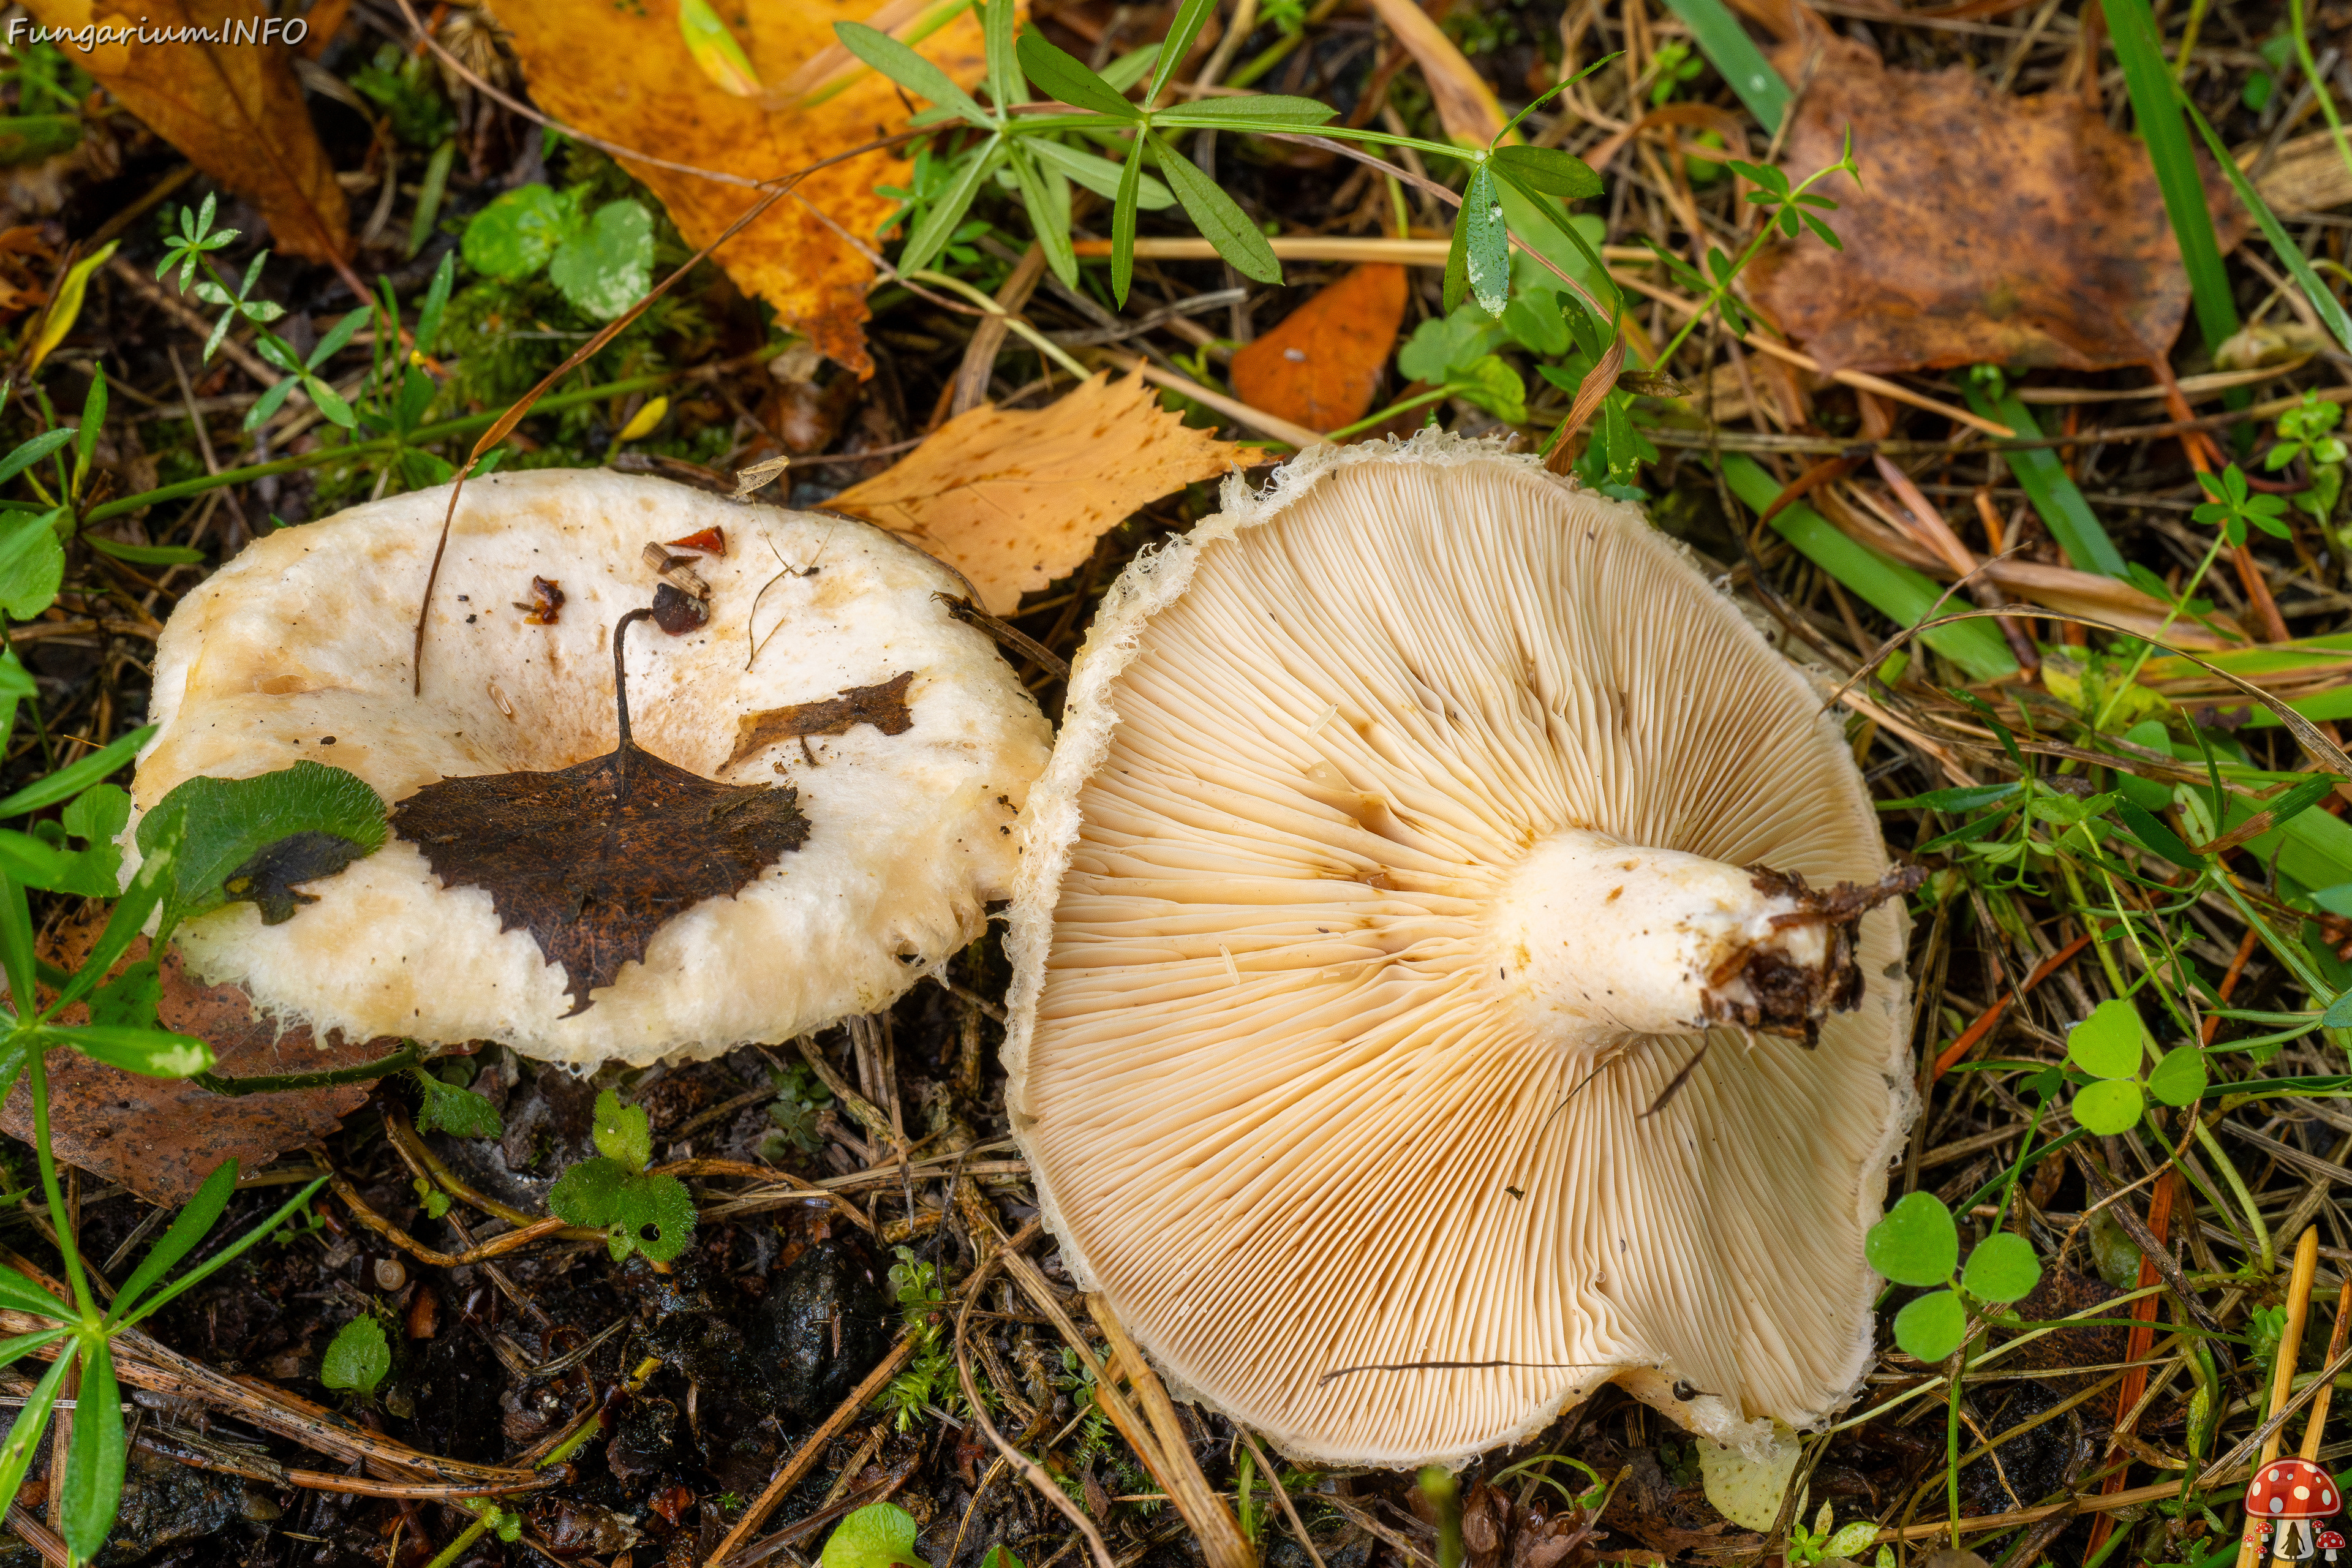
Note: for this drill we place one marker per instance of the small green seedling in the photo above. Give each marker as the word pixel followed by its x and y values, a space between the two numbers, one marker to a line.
pixel 359 1357
pixel 638 1213
pixel 602 262
pixel 459 1113
pixel 1824 1542
pixel 880 1535
pixel 1918 1244
pixel 2107 1046
pixel 2235 504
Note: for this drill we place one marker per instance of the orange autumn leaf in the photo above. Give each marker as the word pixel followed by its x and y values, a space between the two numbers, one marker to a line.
pixel 233 108
pixel 1014 500
pixel 1322 365
pixel 625 73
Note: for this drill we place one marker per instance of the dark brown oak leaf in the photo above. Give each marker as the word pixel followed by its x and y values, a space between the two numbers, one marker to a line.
pixel 594 859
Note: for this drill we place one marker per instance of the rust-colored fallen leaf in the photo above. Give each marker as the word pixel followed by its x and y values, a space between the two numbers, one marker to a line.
pixel 883 706
pixel 623 72
pixel 1988 230
pixel 235 108
pixel 162 1137
pixel 1322 364
pixel 1015 500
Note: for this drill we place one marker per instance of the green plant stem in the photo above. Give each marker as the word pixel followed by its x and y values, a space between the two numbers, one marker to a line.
pixel 2269 1253
pixel 1748 253
pixel 365 1072
pixel 1393 409
pixel 1265 59
pixel 2319 83
pixel 2147 644
pixel 1952 1439
pixel 457 1549
pixel 37 1080
pixel 1028 335
pixel 382 445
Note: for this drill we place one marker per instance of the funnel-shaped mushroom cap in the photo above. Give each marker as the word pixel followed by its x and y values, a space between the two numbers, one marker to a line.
pixel 1387 872
pixel 299 650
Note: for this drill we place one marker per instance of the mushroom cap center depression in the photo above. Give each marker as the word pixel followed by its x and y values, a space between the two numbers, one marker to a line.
pixel 1596 940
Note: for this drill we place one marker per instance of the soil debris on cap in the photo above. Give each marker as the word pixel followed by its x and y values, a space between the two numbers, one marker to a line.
pixel 546 606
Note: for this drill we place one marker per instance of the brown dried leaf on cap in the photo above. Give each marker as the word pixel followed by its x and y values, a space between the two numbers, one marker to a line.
pixel 160 1137
pixel 1014 500
pixel 2020 231
pixel 592 861
pixel 235 110
pixel 624 73
pixel 909 837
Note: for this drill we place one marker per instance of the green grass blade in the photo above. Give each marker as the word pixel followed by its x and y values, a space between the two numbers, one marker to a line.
pixel 1735 59
pixel 2054 495
pixel 193 1223
pixel 2155 105
pixel 76 776
pixel 1893 590
pixel 2281 243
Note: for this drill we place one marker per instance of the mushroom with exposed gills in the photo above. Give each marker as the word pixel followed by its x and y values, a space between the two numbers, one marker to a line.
pixel 800 802
pixel 1456 967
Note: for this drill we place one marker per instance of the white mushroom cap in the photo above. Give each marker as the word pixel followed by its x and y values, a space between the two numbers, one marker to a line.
pixel 1389 808
pixel 306 636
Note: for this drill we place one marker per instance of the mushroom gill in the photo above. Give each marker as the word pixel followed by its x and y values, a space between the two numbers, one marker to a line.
pixel 1421 927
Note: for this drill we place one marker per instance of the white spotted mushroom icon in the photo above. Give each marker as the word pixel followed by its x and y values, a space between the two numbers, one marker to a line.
pixel 2293 1495
pixel 2331 1541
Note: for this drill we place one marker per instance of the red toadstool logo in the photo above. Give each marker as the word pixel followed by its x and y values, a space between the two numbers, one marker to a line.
pixel 2293 1494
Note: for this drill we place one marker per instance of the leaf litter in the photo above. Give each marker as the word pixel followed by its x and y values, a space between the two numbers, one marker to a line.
pixel 2011 231
pixel 1014 500
pixel 160 1137
pixel 626 73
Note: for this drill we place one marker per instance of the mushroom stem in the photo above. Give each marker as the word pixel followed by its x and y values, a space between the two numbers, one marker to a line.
pixel 1598 938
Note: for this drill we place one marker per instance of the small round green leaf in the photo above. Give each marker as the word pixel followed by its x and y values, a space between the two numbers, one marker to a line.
pixel 2001 1269
pixel 358 1358
pixel 513 237
pixel 606 267
pixel 2109 1107
pixel 880 1535
pixel 2106 1043
pixel 1930 1328
pixel 2179 1078
pixel 1917 1242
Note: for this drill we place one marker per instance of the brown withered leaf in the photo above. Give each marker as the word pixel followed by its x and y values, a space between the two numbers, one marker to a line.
pixel 1014 500
pixel 623 72
pixel 594 859
pixel 1322 365
pixel 1988 229
pixel 162 1137
pixel 883 706
pixel 235 108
